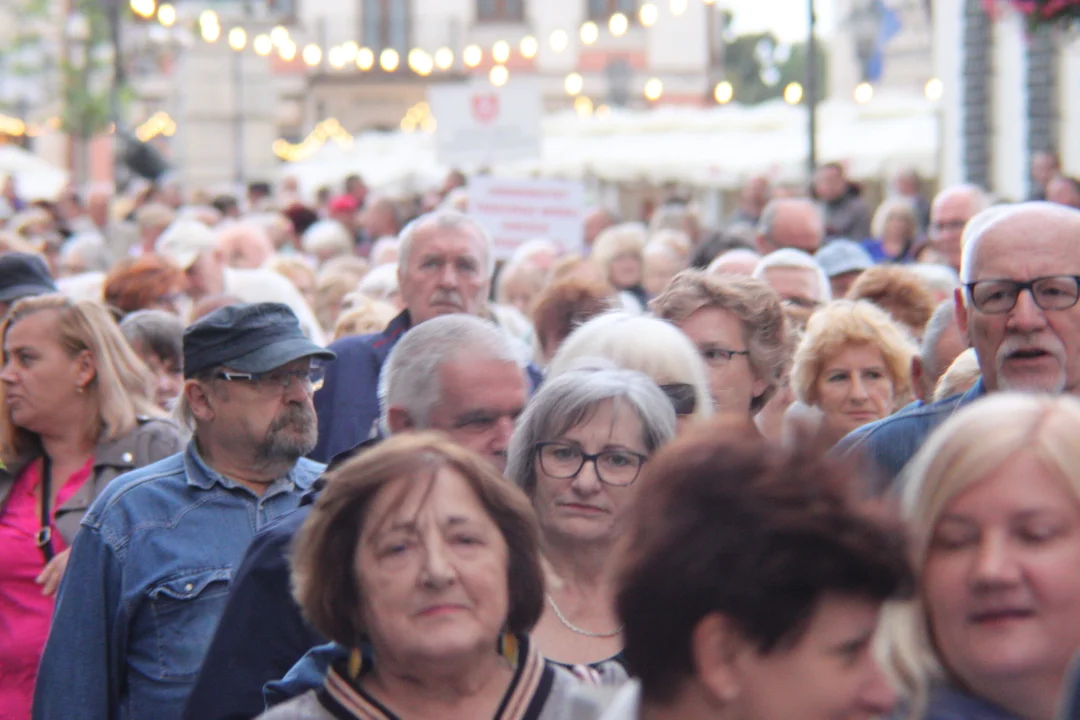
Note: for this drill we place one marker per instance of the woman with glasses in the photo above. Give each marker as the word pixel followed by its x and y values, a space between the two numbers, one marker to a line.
pixel 739 328
pixel 648 345
pixel 578 452
pixel 854 365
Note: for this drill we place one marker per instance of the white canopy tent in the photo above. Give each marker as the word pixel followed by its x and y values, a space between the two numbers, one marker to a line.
pixel 35 179
pixel 712 148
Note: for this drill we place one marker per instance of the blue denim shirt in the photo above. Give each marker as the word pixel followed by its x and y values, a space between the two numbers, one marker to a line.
pixel 889 444
pixel 145 585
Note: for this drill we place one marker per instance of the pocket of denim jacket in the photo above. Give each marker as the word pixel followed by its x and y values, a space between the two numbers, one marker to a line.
pixel 186 609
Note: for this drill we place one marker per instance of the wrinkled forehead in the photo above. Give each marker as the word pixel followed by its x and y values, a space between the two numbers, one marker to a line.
pixel 1024 244
pixel 448 241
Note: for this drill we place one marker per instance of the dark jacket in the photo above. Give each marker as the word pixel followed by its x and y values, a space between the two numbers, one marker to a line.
pixel 948 703
pixel 348 403
pixel 151 440
pixel 847 218
pixel 888 444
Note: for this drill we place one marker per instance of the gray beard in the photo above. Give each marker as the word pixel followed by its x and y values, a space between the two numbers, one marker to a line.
pixel 291 436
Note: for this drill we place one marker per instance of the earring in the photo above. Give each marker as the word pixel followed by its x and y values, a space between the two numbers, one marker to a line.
pixel 356 663
pixel 79 389
pixel 508 647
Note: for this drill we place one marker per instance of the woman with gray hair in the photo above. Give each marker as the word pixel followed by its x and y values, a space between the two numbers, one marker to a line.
pixel 577 452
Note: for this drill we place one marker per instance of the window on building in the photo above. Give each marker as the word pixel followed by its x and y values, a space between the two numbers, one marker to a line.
pixel 386 24
pixel 500 10
pixel 603 9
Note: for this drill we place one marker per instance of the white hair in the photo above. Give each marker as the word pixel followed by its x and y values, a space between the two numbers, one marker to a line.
pixel 939 278
pixel 327 237
pixel 384 245
pixel 636 342
pixel 89 247
pixel 445 220
pixel 381 283
pixel 528 251
pixel 410 377
pixel 792 258
pixel 736 255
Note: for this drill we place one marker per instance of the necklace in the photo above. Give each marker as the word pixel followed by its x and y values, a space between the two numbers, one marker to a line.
pixel 574 628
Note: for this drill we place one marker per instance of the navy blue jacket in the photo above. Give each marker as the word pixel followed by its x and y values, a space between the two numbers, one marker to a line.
pixel 348 401
pixel 889 444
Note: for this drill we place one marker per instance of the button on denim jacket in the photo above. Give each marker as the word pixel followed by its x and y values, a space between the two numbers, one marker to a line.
pixel 145 586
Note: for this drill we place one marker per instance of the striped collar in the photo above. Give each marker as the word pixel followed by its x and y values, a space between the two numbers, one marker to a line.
pixel 524 700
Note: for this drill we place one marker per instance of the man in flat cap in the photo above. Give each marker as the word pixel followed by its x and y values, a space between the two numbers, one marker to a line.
pixel 151 567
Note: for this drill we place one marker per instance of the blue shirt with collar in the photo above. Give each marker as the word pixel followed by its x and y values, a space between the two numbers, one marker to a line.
pixel 145 585
pixel 888 444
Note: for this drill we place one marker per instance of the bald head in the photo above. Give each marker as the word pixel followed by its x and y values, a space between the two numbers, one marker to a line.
pixel 245 245
pixel 949 214
pixel 790 223
pixel 1004 234
pixel 739 261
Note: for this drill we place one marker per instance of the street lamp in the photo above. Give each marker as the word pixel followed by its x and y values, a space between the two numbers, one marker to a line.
pixel 811 91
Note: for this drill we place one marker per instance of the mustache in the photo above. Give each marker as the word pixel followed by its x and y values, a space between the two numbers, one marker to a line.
pixel 452 297
pixel 1013 344
pixel 299 416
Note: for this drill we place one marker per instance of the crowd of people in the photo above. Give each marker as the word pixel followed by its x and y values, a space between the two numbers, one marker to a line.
pixel 268 459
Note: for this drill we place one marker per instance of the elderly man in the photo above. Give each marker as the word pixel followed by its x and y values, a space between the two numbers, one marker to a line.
pixel 941 344
pixel 150 569
pixel 845 212
pixel 950 212
pixel 151 220
pixel 194 248
pixel 795 277
pixel 843 262
pixel 245 245
pixel 379 218
pixel 1017 308
pixel 444 267
pixel 739 261
pixel 457 374
pixel 790 223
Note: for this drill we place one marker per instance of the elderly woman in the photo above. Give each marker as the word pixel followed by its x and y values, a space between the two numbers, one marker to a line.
pixel 420 558
pixel 78 410
pixel 893 229
pixel 157 337
pixel 578 451
pixel 739 329
pixel 148 282
pixel 619 250
pixel 752 585
pixel 854 365
pixel 992 504
pixel 654 347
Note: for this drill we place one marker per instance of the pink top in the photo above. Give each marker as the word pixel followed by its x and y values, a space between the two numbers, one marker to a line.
pixel 25 613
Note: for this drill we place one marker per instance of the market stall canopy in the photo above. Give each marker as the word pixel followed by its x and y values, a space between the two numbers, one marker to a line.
pixel 35 179
pixel 717 147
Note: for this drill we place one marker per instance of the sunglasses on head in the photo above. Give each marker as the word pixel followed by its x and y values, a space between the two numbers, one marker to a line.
pixel 683 397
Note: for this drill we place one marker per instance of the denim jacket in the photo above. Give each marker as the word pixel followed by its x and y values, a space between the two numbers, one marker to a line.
pixel 890 443
pixel 145 585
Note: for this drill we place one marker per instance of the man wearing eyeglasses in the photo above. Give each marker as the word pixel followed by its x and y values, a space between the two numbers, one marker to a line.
pixel 950 213
pixel 1017 308
pixel 151 567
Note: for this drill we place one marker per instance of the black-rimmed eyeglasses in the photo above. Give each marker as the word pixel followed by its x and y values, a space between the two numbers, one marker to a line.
pixel 564 460
pixel 996 297
pixel 278 380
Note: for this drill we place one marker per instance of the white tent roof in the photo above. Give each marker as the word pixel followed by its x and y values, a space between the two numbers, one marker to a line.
pixel 715 147
pixel 35 179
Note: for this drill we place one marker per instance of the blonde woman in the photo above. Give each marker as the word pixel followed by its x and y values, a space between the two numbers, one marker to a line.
pixel 854 365
pixel 619 251
pixel 992 505
pixel 893 231
pixel 78 410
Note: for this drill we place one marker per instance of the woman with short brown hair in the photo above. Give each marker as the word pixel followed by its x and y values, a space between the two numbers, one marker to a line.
pixel 424 561
pixel 739 328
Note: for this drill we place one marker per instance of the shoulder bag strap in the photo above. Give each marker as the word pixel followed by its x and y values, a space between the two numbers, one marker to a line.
pixel 44 533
